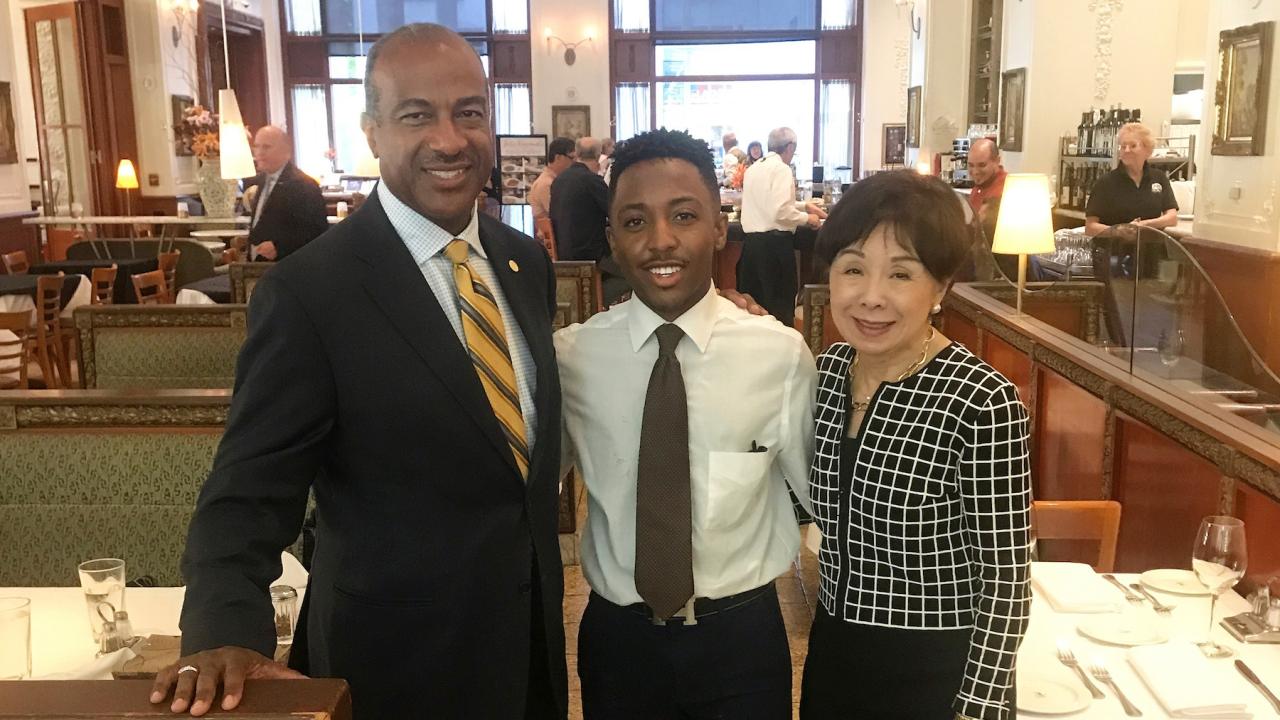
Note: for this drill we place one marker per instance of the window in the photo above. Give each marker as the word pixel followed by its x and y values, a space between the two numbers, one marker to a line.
pixel 838 14
pixel 771 58
pixel 511 16
pixel 310 140
pixel 511 109
pixel 631 103
pixel 734 15
pixel 372 17
pixel 836 121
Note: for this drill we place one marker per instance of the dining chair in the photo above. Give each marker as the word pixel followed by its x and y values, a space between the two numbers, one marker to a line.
pixel 150 288
pixel 51 342
pixel 104 285
pixel 546 233
pixel 1094 520
pixel 15 263
pixel 15 354
pixel 168 262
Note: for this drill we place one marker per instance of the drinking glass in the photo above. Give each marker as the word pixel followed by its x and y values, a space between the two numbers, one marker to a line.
pixel 102 581
pixel 1219 558
pixel 15 638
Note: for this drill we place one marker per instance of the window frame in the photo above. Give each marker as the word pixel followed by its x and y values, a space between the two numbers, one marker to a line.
pixel 850 71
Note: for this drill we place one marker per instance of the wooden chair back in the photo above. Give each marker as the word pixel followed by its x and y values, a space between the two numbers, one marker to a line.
pixel 150 288
pixel 546 233
pixel 168 262
pixel 1094 520
pixel 15 263
pixel 104 285
pixel 49 347
pixel 14 350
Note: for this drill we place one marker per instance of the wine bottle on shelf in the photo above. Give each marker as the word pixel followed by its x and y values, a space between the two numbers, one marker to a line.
pixel 1064 188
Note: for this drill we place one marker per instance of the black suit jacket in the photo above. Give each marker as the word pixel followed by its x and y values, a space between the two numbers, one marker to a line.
pixel 579 214
pixel 427 537
pixel 294 215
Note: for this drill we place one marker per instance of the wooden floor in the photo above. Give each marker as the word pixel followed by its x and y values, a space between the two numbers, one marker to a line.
pixel 797 592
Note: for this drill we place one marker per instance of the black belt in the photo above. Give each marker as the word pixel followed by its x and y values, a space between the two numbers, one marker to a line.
pixel 704 607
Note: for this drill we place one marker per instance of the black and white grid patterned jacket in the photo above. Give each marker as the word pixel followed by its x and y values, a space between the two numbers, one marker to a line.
pixel 935 532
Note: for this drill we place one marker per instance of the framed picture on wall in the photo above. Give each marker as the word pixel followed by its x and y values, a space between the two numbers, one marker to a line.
pixel 181 141
pixel 1013 102
pixel 894 150
pixel 8 136
pixel 913 116
pixel 521 159
pixel 1244 76
pixel 570 121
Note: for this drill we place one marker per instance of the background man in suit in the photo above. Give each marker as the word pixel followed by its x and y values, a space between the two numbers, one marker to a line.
pixel 286 206
pixel 580 216
pixel 401 366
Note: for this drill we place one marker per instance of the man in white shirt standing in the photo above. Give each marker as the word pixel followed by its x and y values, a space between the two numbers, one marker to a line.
pixel 770 216
pixel 687 418
pixel 732 156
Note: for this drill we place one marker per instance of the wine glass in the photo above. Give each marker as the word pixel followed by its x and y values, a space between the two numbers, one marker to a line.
pixel 1219 559
pixel 1170 347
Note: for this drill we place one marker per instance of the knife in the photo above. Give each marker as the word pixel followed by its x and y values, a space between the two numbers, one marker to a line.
pixel 1253 678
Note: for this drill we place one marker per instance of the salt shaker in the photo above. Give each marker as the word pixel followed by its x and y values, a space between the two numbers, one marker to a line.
pixel 110 641
pixel 284 600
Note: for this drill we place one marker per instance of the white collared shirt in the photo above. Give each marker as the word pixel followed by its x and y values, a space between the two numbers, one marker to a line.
pixel 268 184
pixel 426 242
pixel 747 380
pixel 769 197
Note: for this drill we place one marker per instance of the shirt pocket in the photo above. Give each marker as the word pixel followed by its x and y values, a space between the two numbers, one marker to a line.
pixel 736 488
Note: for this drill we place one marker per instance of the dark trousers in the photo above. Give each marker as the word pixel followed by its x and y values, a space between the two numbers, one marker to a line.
pixel 767 272
pixel 733 665
pixel 540 700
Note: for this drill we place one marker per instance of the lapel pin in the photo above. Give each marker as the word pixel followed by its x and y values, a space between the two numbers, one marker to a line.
pixel 514 267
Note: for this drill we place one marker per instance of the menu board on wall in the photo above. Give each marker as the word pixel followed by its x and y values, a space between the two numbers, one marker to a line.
pixel 521 159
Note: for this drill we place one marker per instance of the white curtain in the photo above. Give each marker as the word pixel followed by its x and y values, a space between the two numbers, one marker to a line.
pixel 837 14
pixel 511 109
pixel 510 16
pixel 631 15
pixel 310 128
pixel 632 102
pixel 303 17
pixel 837 129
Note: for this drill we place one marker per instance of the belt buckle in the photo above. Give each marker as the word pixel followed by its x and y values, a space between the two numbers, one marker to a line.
pixel 685 613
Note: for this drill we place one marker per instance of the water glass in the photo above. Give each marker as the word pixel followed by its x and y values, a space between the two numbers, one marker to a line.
pixel 103 582
pixel 15 638
pixel 1219 558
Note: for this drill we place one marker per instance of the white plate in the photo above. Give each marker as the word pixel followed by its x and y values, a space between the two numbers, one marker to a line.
pixel 1129 630
pixel 1178 582
pixel 1050 697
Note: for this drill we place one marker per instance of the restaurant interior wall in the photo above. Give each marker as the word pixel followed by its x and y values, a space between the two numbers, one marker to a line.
pixel 14 194
pixel 586 82
pixel 1253 219
pixel 939 63
pixel 885 65
pixel 1059 45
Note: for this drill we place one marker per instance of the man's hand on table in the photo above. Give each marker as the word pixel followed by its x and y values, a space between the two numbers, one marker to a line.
pixel 225 666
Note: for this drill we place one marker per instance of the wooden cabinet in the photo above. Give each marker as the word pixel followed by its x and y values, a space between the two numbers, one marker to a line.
pixel 984 61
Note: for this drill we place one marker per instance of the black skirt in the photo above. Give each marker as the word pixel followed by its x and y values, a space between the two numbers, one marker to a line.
pixel 863 671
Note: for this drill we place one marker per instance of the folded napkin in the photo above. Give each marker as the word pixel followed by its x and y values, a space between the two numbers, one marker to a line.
pixel 1189 685
pixel 99 668
pixel 291 572
pixel 1075 588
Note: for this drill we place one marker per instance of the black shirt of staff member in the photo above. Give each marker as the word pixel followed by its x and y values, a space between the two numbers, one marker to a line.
pixel 1134 192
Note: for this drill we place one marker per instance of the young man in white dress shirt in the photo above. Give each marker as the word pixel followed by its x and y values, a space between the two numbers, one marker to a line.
pixel 687 418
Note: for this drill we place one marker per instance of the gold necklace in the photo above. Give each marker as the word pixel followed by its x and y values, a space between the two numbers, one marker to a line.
pixel 863 405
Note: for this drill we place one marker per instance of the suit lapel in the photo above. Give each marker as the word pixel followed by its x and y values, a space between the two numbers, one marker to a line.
pixel 396 285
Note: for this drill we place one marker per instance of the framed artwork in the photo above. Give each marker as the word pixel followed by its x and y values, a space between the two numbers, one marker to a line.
pixel 894 150
pixel 181 141
pixel 1013 103
pixel 1244 76
pixel 8 135
pixel 570 121
pixel 913 115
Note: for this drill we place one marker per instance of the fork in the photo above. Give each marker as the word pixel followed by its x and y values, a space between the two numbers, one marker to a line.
pixel 1129 595
pixel 1155 602
pixel 1068 658
pixel 1104 675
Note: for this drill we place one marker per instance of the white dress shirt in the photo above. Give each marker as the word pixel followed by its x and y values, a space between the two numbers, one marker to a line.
pixel 268 184
pixel 747 380
pixel 426 242
pixel 769 197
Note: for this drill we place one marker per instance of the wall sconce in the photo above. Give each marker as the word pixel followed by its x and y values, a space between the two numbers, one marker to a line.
pixel 570 55
pixel 916 23
pixel 180 9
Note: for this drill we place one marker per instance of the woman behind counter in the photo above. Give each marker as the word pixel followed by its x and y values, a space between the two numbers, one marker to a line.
pixel 920 480
pixel 1134 192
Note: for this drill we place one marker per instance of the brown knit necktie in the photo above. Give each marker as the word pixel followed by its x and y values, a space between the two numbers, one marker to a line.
pixel 664 515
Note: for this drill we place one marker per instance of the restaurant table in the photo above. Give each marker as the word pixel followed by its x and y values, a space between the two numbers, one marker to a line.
pixel 216 287
pixel 25 285
pixel 123 293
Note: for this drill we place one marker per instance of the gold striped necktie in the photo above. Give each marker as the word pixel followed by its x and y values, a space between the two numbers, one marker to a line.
pixel 487 345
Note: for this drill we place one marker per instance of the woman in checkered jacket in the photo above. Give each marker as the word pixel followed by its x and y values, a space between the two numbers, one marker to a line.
pixel 920 479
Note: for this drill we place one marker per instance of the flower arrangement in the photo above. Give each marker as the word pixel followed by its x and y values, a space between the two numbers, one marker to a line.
pixel 199 131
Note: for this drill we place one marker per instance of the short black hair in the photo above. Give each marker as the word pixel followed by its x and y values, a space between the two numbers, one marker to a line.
pixel 923 211
pixel 415 31
pixel 559 146
pixel 664 144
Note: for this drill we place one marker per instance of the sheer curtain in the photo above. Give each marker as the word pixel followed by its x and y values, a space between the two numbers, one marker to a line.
pixel 310 131
pixel 511 16
pixel 631 15
pixel 511 109
pixel 632 103
pixel 303 16
pixel 837 130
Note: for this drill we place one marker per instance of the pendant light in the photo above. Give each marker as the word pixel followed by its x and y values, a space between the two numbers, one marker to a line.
pixel 233 139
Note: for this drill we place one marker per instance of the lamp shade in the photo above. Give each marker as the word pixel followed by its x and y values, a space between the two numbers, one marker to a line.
pixel 126 176
pixel 233 139
pixel 1025 226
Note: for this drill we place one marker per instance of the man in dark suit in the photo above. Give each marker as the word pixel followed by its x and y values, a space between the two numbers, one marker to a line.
pixel 401 366
pixel 285 206
pixel 580 217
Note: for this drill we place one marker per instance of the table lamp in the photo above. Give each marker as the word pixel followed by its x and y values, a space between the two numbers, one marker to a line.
pixel 126 180
pixel 1025 225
